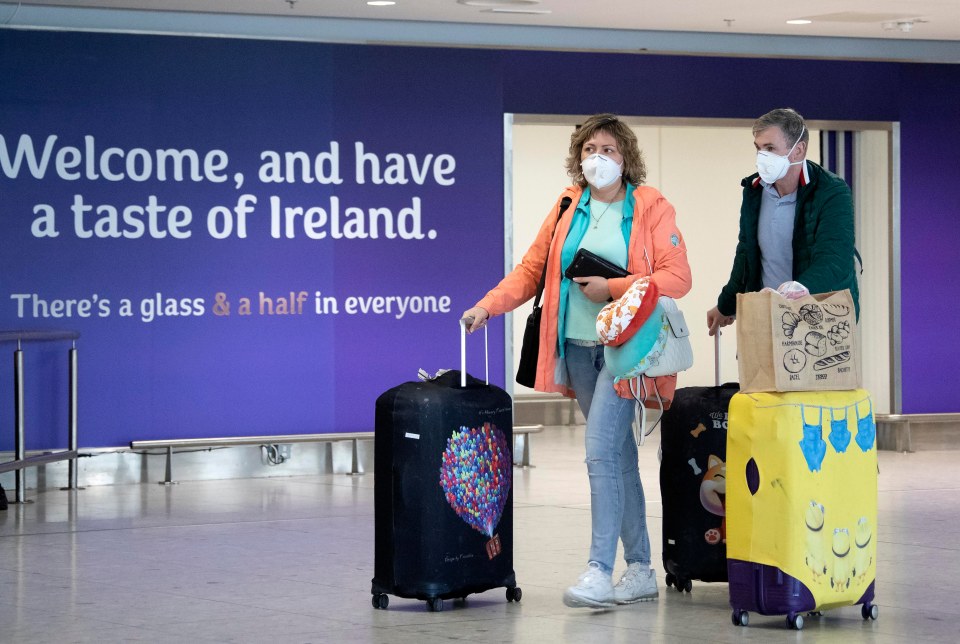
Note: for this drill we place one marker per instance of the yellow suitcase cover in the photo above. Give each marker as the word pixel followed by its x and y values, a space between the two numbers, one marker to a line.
pixel 802 489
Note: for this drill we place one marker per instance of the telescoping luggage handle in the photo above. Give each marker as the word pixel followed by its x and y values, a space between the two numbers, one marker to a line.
pixel 463 352
pixel 641 413
pixel 716 357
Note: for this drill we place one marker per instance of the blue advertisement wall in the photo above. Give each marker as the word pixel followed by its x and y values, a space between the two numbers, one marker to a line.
pixel 251 237
pixel 922 98
pixel 337 207
pixel 929 233
pixel 699 86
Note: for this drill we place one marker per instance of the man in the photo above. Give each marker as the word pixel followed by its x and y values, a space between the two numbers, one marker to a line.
pixel 796 221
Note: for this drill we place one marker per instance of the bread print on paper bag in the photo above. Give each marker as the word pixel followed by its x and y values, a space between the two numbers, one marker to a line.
pixel 817 343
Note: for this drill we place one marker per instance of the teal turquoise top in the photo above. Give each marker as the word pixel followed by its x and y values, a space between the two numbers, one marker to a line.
pixel 578 315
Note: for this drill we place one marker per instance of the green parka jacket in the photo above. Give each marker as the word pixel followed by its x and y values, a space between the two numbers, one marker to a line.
pixel 823 238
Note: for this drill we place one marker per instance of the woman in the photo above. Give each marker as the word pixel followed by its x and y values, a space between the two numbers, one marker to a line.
pixel 632 225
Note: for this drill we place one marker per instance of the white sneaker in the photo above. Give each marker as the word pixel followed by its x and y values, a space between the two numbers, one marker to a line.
pixel 638 584
pixel 594 589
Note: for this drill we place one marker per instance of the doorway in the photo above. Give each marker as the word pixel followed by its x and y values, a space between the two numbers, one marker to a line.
pixel 698 164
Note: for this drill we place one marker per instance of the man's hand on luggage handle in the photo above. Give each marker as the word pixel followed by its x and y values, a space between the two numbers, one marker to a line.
pixel 716 320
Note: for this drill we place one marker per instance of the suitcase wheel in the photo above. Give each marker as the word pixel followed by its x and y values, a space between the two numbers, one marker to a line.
pixel 870 611
pixel 682 584
pixel 514 594
pixel 795 621
pixel 381 601
pixel 435 604
pixel 740 618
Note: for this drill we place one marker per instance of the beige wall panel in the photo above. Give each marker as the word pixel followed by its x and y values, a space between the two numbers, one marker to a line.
pixel 698 169
pixel 872 206
pixel 702 170
pixel 539 152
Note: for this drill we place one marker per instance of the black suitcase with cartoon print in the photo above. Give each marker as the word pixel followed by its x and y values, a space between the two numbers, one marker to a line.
pixel 693 485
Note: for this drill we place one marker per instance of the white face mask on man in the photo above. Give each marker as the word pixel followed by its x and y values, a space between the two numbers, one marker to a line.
pixel 600 170
pixel 773 167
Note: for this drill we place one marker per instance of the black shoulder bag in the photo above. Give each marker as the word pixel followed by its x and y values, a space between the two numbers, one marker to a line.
pixel 530 350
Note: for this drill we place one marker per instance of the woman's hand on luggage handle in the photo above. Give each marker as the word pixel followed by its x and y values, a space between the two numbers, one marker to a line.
pixel 475 318
pixel 595 288
pixel 716 320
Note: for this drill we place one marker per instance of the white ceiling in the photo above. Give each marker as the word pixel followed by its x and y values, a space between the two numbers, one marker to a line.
pixel 887 19
pixel 899 30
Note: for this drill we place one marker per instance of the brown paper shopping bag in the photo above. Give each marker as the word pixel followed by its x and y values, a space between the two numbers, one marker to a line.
pixel 807 344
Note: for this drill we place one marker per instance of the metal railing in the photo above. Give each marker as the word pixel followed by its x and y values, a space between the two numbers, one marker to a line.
pixel 901 424
pixel 235 441
pixel 21 461
pixel 520 432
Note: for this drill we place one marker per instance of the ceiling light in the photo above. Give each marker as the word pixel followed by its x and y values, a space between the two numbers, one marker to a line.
pixel 799 22
pixel 381 3
pixel 861 17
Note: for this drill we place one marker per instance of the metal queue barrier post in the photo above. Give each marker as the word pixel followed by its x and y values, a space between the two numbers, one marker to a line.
pixel 18 446
pixel 21 461
pixel 72 473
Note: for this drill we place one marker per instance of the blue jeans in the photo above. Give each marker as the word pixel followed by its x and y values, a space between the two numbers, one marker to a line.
pixel 617 507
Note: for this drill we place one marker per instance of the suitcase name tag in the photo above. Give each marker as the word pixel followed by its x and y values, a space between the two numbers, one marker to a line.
pixel 493 547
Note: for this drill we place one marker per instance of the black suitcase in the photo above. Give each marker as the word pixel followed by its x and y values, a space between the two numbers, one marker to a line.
pixel 693 441
pixel 443 498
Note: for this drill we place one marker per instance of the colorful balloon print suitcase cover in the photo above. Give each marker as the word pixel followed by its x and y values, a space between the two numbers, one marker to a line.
pixel 801 502
pixel 443 497
pixel 693 485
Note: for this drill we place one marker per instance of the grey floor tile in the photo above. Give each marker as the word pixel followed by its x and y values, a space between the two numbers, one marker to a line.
pixel 291 559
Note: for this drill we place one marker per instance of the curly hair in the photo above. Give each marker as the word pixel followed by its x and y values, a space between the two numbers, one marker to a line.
pixel 634 169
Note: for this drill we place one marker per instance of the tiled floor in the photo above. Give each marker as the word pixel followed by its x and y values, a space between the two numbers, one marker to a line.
pixel 290 560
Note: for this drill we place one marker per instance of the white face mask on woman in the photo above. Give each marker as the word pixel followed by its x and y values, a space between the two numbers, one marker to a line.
pixel 773 167
pixel 600 170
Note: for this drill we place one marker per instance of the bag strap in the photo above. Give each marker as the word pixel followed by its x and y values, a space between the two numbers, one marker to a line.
pixel 640 431
pixel 564 204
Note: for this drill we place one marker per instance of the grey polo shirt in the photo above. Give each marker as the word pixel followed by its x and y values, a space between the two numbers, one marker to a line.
pixel 775 234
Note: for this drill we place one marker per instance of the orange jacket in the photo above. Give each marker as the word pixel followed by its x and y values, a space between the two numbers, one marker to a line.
pixel 654 229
